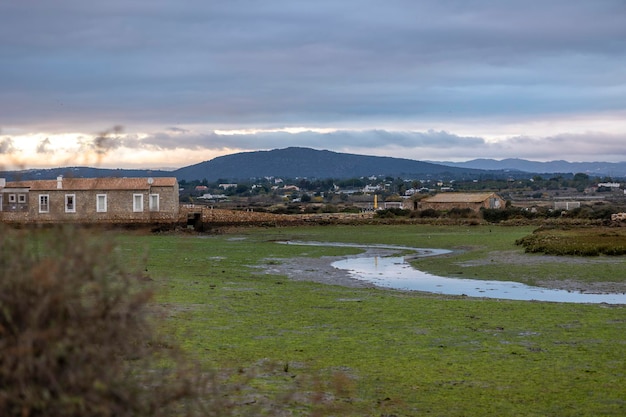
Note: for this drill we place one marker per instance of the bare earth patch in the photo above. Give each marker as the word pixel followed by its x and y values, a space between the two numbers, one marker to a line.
pixel 320 269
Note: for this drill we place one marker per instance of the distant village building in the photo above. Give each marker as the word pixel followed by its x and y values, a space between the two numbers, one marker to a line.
pixel 392 204
pixel 372 188
pixel 609 184
pixel 618 217
pixel 473 201
pixel 566 205
pixel 291 188
pixel 90 200
pixel 213 197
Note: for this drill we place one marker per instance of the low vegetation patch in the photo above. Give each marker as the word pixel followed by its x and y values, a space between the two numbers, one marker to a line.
pixel 376 352
pixel 582 241
pixel 391 213
pixel 80 335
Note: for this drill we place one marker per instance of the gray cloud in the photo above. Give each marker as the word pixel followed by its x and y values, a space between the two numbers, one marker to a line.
pixel 272 140
pixel 43 147
pixel 428 145
pixel 572 147
pixel 440 145
pixel 358 64
pixel 6 146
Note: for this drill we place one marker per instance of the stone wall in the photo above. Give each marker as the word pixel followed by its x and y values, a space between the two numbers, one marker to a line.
pixel 119 207
pixel 221 217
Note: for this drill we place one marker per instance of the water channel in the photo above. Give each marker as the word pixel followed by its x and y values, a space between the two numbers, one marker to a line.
pixel 395 272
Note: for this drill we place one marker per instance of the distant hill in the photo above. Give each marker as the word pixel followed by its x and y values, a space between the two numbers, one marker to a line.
pixel 81 172
pixel 610 169
pixel 310 163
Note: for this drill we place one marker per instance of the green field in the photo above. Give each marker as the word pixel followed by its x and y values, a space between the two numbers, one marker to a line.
pixel 374 352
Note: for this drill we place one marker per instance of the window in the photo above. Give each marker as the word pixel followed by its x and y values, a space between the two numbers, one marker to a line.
pixel 101 203
pixel 21 198
pixel 154 202
pixel 44 203
pixel 137 202
pixel 12 198
pixel 70 203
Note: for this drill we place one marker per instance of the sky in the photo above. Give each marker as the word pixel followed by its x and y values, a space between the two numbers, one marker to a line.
pixel 170 83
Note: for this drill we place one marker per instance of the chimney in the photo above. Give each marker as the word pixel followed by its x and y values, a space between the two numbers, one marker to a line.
pixel 59 182
pixel 3 182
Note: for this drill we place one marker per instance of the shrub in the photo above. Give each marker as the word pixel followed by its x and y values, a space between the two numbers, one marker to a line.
pixel 329 208
pixel 391 213
pixel 75 339
pixel 350 209
pixel 430 213
pixel 580 241
pixel 496 215
pixel 461 213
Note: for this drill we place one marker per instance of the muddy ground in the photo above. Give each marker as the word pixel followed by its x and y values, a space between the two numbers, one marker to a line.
pixel 320 269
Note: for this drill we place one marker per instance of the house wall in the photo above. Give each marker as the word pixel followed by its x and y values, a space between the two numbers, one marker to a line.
pixel 168 203
pixel 449 206
pixel 16 194
pixel 119 207
pixel 492 202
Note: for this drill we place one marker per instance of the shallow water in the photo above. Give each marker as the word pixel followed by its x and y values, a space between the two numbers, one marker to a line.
pixel 395 272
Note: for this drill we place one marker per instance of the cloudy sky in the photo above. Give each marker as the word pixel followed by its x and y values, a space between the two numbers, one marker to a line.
pixel 169 83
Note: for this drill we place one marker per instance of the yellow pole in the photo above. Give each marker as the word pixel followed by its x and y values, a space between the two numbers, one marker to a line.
pixel 375 201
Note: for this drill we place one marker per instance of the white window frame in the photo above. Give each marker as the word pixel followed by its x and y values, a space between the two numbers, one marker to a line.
pixel 154 202
pixel 12 198
pixel 101 203
pixel 44 203
pixel 21 198
pixel 137 203
pixel 70 208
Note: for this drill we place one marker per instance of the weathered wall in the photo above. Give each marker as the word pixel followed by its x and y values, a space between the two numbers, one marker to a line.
pixel 475 206
pixel 119 207
pixel 449 206
pixel 168 203
pixel 220 217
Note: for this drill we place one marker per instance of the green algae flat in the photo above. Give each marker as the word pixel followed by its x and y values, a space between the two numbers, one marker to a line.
pixel 393 352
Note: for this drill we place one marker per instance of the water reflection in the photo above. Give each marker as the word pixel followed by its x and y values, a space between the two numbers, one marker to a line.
pixel 395 272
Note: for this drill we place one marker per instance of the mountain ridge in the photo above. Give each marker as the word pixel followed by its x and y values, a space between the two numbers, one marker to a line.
pixel 299 162
pixel 293 162
pixel 597 168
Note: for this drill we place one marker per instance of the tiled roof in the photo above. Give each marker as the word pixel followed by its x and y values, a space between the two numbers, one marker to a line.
pixel 459 197
pixel 95 184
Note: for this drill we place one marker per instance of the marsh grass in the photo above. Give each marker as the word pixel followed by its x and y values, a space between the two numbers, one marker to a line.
pixel 80 336
pixel 372 352
pixel 582 241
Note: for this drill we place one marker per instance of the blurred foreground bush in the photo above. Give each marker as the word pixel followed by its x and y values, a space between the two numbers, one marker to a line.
pixel 75 339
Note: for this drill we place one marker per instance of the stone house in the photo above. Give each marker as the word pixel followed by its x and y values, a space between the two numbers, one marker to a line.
pixel 474 201
pixel 90 200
